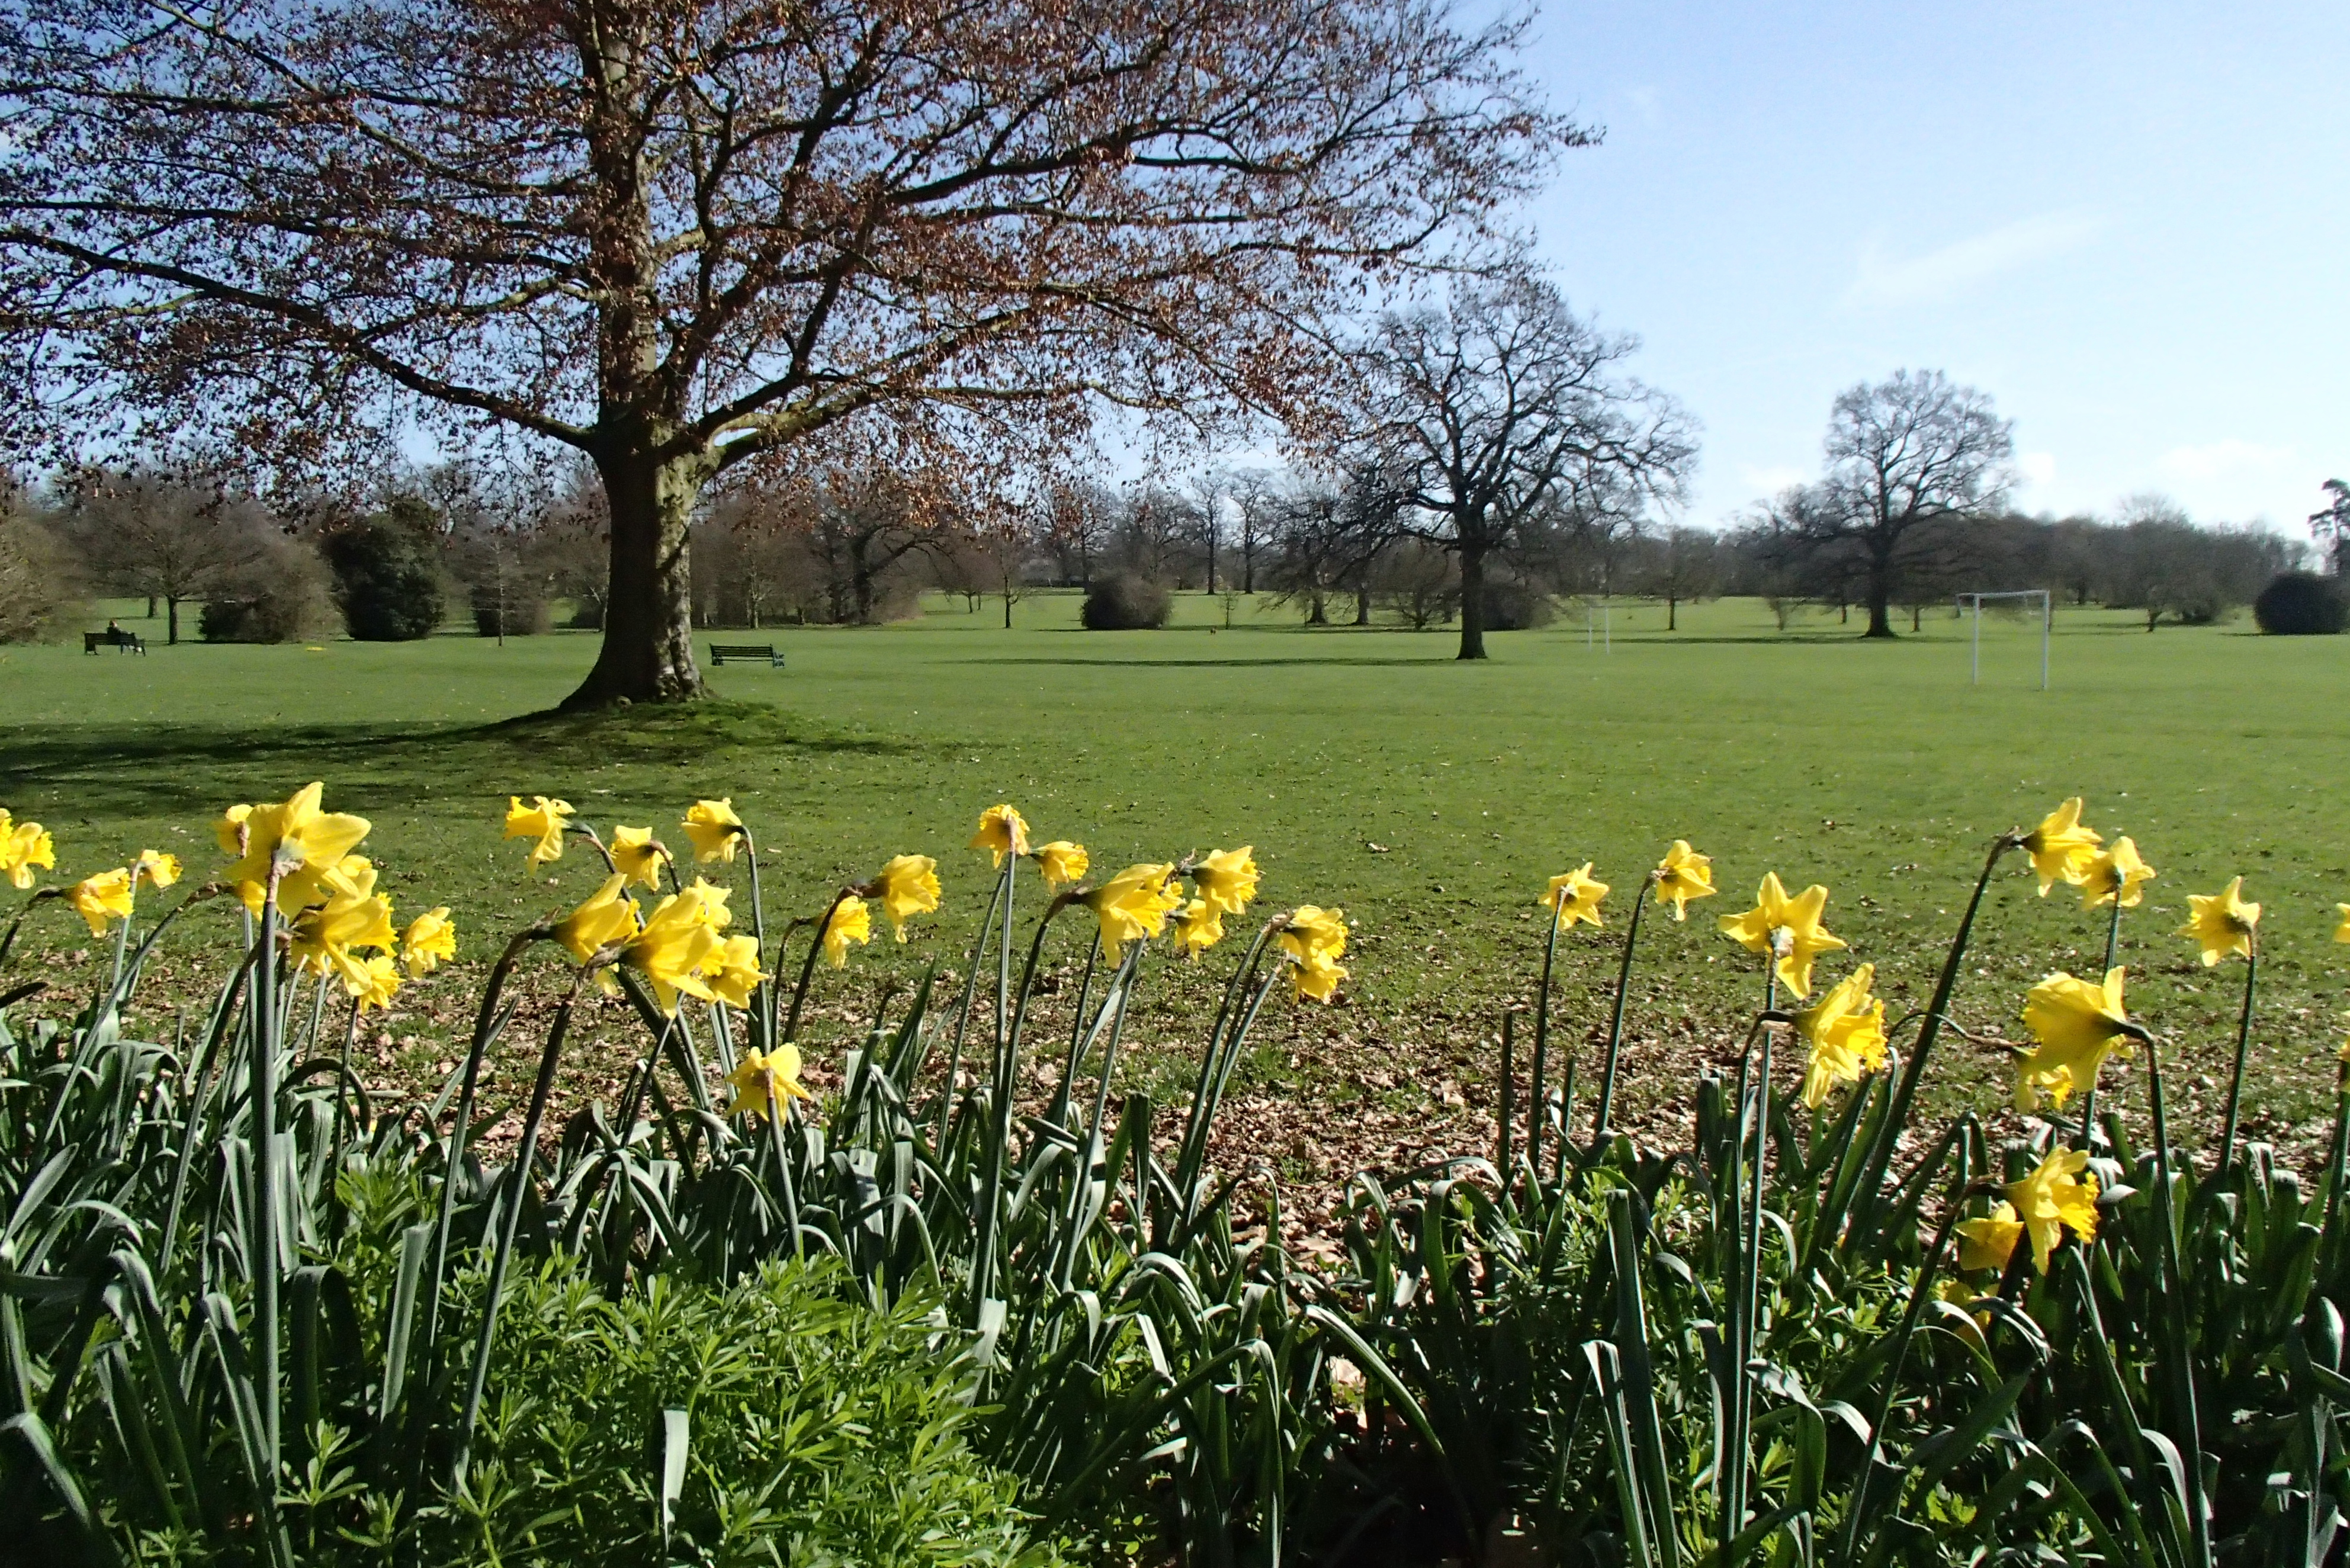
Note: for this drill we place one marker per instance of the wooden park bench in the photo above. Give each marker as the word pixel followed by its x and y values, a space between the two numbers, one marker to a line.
pixel 720 652
pixel 113 637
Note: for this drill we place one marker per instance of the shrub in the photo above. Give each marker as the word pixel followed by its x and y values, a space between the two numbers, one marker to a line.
pixel 35 591
pixel 1513 606
pixel 387 579
pixel 2299 604
pixel 279 595
pixel 1123 602
pixel 525 614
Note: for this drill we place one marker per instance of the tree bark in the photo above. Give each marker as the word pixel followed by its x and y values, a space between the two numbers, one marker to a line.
pixel 1472 603
pixel 1880 599
pixel 1672 615
pixel 171 609
pixel 648 652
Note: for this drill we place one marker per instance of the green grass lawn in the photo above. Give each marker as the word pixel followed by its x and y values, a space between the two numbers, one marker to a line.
pixel 1430 799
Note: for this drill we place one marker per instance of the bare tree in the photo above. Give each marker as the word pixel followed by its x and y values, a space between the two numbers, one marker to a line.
pixel 169 536
pixel 1903 455
pixel 1256 498
pixel 681 237
pixel 2331 526
pixel 1503 404
pixel 1684 564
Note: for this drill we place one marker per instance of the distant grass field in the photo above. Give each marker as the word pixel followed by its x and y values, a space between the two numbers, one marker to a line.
pixel 1430 799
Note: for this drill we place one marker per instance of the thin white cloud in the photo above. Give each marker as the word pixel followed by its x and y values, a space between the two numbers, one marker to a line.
pixel 1769 481
pixel 1886 279
pixel 2037 467
pixel 2230 455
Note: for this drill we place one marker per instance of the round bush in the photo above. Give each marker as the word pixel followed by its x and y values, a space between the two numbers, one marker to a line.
pixel 1125 603
pixel 2299 604
pixel 1513 606
pixel 387 577
pixel 525 614
pixel 276 597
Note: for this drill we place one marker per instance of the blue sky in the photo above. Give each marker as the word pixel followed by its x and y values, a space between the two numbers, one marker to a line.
pixel 2130 224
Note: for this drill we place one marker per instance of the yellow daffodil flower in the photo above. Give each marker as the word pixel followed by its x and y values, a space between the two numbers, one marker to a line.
pixel 1576 895
pixel 1989 1241
pixel 1316 978
pixel 2341 932
pixel 637 856
pixel 380 979
pixel 1227 878
pixel 2119 873
pixel 1682 876
pixel 735 972
pixel 677 942
pixel 609 916
pixel 430 938
pixel 1845 1030
pixel 849 921
pixel 1197 928
pixel 23 847
pixel 714 829
pixel 322 937
pixel 1132 904
pixel 2053 1199
pixel 2222 922
pixel 2060 847
pixel 102 899
pixel 1063 863
pixel 1789 928
pixel 155 868
pixel 1002 830
pixel 301 841
pixel 2077 1022
pixel 229 830
pixel 765 1082
pixel 1312 932
pixel 543 819
pixel 709 904
pixel 908 885
pixel 1313 939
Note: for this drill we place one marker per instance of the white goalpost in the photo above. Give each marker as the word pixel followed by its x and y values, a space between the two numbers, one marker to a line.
pixel 2047 617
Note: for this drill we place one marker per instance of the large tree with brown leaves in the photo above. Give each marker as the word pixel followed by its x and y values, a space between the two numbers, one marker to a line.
pixel 682 236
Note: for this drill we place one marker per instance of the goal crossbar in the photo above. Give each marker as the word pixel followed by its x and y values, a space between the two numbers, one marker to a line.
pixel 2047 617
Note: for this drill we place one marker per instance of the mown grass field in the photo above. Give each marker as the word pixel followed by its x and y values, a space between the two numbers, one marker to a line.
pixel 1430 799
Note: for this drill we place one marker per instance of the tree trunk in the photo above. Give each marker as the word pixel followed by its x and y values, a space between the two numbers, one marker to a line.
pixel 1672 614
pixel 1472 604
pixel 171 609
pixel 1362 606
pixel 150 607
pixel 648 652
pixel 1880 599
pixel 1917 614
pixel 1007 612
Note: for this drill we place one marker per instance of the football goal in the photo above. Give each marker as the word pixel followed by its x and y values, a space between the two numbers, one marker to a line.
pixel 2047 614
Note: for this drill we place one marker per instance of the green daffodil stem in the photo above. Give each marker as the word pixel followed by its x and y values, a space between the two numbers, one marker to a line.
pixel 2336 1172
pixel 263 1109
pixel 2173 1293
pixel 2089 1098
pixel 1750 1288
pixel 1509 1091
pixel 1905 1089
pixel 1059 1113
pixel 1920 1292
pixel 1616 1023
pixel 510 1223
pixel 1535 1105
pixel 1004 1082
pixel 995 906
pixel 763 1008
pixel 807 965
pixel 2243 1047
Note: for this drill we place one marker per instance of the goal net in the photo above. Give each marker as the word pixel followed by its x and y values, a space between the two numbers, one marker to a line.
pixel 2023 598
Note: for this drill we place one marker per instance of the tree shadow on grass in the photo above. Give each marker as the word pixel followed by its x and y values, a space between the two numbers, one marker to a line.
pixel 170 770
pixel 1146 663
